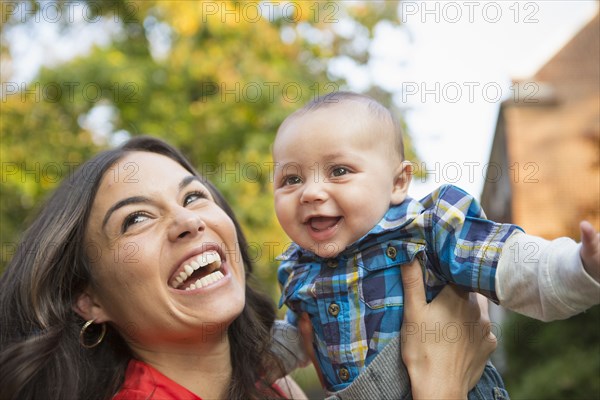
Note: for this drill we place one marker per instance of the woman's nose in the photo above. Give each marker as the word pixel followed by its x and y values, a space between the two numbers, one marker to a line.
pixel 186 224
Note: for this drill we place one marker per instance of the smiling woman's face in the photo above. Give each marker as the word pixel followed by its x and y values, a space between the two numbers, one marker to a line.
pixel 165 257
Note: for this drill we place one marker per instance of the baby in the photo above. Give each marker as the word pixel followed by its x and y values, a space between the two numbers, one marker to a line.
pixel 340 187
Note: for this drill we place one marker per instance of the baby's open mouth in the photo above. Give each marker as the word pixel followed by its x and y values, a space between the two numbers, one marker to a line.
pixel 323 223
pixel 198 271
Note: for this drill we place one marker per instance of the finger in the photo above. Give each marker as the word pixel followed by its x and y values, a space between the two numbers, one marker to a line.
pixel 414 287
pixel 306 332
pixel 458 292
pixel 483 303
pixel 589 238
pixel 456 303
pixel 492 342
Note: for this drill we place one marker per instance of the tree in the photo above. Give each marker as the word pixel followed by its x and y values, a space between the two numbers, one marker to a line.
pixel 213 78
pixel 558 360
pixel 214 83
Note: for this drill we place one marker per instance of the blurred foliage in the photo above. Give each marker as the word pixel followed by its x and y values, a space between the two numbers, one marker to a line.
pixel 557 360
pixel 215 84
pixel 214 79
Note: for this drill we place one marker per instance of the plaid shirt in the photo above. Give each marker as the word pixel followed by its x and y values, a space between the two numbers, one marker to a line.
pixel 355 301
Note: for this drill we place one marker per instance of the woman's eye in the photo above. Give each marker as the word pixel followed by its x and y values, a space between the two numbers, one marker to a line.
pixel 133 219
pixel 191 197
pixel 339 171
pixel 292 180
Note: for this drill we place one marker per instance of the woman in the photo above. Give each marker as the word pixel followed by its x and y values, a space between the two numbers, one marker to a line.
pixel 135 277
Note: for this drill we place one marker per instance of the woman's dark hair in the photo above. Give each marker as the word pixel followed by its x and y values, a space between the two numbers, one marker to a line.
pixel 40 353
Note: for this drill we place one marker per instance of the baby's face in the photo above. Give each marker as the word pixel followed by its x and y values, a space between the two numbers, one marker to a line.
pixel 334 177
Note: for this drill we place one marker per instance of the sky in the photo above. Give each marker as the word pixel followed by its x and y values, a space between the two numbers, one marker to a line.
pixel 453 63
pixel 449 65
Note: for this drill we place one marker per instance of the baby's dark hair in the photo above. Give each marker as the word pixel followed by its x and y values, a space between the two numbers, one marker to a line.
pixel 373 106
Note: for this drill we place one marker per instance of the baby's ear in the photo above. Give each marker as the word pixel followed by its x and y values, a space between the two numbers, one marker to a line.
pixel 402 178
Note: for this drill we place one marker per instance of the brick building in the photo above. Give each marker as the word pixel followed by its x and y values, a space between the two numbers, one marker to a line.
pixel 544 172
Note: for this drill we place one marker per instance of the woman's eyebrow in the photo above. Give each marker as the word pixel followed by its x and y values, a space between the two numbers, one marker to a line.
pixel 187 180
pixel 123 203
pixel 141 199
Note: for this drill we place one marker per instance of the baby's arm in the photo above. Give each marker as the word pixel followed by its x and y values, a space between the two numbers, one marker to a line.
pixel 288 346
pixel 547 280
pixel 286 342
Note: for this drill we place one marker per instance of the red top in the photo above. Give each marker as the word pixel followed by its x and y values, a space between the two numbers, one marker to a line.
pixel 143 382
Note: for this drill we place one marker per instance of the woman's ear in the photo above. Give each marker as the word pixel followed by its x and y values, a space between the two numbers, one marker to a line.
pixel 402 178
pixel 88 308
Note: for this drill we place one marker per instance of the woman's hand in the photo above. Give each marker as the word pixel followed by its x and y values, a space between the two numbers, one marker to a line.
pixel 446 343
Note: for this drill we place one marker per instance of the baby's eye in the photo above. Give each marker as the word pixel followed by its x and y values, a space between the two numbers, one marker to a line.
pixel 191 197
pixel 292 180
pixel 339 171
pixel 133 219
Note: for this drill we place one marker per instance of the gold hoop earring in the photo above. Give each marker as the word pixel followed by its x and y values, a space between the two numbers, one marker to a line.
pixel 82 334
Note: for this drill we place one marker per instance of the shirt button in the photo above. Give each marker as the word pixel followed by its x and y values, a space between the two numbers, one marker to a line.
pixel 344 374
pixel 333 309
pixel 331 263
pixel 391 252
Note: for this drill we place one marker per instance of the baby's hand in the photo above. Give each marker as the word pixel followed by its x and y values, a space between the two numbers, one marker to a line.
pixel 590 249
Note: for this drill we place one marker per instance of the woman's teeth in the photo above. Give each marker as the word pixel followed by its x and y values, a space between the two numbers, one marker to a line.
pixel 204 259
pixel 207 280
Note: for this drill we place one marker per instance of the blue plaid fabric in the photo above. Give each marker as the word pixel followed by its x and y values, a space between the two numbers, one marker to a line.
pixel 355 301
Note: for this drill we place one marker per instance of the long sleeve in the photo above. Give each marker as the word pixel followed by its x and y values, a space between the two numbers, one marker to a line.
pixel 544 279
pixel 287 345
pixel 463 247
